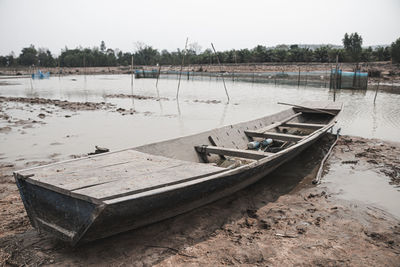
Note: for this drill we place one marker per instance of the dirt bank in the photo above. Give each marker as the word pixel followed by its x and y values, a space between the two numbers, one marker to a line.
pixel 282 220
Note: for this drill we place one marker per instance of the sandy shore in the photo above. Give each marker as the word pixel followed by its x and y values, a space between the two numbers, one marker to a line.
pixel 282 220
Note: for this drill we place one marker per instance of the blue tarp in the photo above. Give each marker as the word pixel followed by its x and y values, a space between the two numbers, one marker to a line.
pixel 40 75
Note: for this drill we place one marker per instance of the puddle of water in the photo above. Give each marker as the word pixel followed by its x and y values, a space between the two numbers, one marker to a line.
pixel 365 186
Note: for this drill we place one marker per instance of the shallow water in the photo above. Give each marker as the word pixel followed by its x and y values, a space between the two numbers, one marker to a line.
pixel 365 186
pixel 167 118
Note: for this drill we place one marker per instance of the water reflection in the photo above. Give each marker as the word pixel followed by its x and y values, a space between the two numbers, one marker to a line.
pixel 180 119
pixel 221 123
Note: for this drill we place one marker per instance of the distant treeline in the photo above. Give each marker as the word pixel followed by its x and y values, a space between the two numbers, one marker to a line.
pixel 352 51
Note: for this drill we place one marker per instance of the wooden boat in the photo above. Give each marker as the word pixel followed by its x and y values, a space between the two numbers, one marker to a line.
pixel 97 196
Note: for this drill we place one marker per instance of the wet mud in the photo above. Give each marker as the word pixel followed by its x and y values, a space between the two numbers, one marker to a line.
pixel 139 97
pixel 59 103
pixel 282 220
pixel 207 101
pixel 382 156
pixel 45 103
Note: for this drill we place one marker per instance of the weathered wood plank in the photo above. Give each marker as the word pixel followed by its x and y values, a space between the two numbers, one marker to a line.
pixel 105 169
pixel 129 185
pixel 307 108
pixel 240 153
pixel 303 125
pixel 279 123
pixel 279 136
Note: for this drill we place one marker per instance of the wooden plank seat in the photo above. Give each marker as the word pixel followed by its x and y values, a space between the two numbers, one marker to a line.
pixel 264 132
pixel 303 125
pixel 278 136
pixel 240 153
pixel 279 123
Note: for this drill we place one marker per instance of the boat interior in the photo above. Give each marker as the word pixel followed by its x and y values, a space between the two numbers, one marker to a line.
pixel 281 135
pixel 230 147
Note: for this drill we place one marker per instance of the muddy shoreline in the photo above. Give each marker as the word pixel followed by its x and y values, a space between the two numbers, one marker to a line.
pixel 282 220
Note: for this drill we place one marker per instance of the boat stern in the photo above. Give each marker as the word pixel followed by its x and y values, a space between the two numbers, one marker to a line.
pixel 66 217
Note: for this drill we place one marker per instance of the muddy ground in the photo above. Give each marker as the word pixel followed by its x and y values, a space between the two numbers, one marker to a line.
pixel 63 104
pixel 282 220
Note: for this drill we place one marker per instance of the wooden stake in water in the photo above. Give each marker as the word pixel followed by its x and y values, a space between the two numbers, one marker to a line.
pixel 132 70
pixel 306 76
pixel 220 66
pixel 336 79
pixel 158 75
pixel 59 69
pixel 180 72
pixel 376 92
pixel 298 80
pixel 84 64
pixel 233 71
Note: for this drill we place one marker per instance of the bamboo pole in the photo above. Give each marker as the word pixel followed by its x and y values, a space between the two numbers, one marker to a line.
pixel 59 69
pixel 223 80
pixel 158 75
pixel 84 64
pixel 233 72
pixel 180 72
pixel 298 80
pixel 335 85
pixel 306 76
pixel 376 92
pixel 131 70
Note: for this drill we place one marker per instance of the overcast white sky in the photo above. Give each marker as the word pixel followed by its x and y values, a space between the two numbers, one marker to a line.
pixel 55 24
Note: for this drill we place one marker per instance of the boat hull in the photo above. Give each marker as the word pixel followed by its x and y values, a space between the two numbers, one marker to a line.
pixel 74 220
